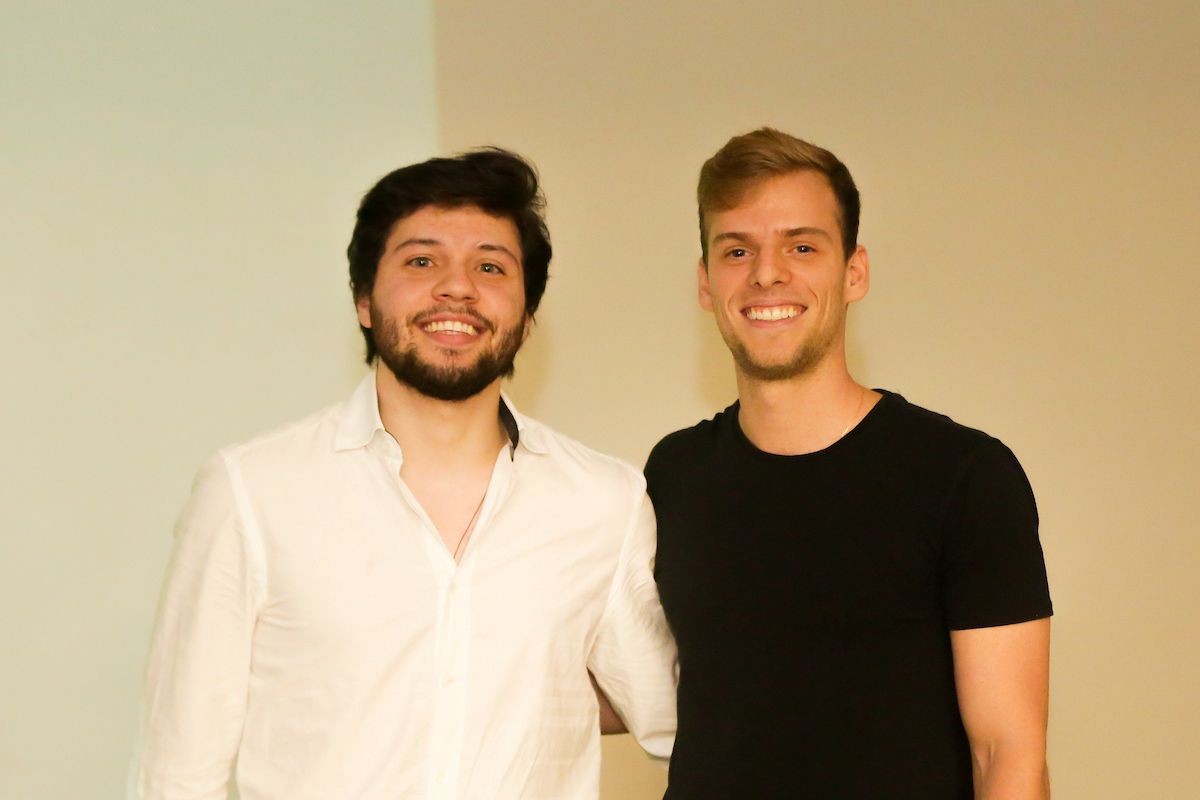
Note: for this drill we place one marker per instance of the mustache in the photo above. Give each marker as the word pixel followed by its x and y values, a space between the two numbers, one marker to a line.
pixel 480 321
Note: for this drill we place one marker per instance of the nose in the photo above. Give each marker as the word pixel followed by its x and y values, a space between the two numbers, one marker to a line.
pixel 768 269
pixel 456 282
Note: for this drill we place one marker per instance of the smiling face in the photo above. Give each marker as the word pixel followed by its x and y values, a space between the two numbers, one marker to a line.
pixel 447 310
pixel 777 280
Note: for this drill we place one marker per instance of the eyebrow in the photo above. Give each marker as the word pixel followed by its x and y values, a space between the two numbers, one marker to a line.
pixel 731 236
pixel 499 248
pixel 485 246
pixel 807 230
pixel 804 230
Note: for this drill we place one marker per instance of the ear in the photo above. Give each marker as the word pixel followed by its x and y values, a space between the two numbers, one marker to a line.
pixel 858 275
pixel 528 327
pixel 363 307
pixel 705 296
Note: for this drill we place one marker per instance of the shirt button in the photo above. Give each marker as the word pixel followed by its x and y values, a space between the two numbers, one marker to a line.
pixel 442 778
pixel 451 679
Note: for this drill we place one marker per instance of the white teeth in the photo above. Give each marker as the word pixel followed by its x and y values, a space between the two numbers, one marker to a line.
pixel 771 313
pixel 450 325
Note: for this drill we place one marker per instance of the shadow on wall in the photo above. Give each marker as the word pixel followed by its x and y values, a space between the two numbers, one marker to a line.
pixel 714 373
pixel 533 369
pixel 857 358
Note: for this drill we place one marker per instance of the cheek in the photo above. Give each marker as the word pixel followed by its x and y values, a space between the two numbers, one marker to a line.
pixel 721 294
pixel 717 288
pixel 509 302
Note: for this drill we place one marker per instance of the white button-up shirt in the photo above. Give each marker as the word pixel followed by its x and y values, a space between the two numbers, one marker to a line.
pixel 314 628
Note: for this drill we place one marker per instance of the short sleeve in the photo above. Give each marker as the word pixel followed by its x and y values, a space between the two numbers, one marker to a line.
pixel 993 572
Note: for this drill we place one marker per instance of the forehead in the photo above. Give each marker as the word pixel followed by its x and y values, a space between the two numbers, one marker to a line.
pixel 794 200
pixel 456 227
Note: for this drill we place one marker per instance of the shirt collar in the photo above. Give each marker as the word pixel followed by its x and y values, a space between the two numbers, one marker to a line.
pixel 360 421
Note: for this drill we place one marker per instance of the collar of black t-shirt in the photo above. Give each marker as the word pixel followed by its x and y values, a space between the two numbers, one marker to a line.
pixel 888 404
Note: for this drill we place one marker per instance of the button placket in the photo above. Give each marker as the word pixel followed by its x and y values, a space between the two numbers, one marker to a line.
pixel 452 673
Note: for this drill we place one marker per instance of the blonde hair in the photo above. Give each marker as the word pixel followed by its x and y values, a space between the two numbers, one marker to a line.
pixel 747 160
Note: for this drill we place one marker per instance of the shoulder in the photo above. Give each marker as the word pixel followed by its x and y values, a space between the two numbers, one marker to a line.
pixel 952 460
pixel 231 475
pixel 925 423
pixel 690 445
pixel 284 449
pixel 933 435
pixel 575 462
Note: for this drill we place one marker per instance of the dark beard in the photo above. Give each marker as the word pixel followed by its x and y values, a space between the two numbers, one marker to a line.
pixel 450 383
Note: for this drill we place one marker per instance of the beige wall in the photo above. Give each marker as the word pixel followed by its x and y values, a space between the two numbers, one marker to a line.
pixel 179 184
pixel 1031 188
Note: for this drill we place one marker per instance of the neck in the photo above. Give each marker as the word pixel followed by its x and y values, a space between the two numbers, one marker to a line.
pixel 805 413
pixel 436 432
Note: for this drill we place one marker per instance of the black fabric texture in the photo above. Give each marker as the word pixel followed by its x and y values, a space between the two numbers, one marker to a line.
pixel 812 599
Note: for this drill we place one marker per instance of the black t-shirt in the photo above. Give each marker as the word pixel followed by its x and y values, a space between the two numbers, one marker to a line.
pixel 812 598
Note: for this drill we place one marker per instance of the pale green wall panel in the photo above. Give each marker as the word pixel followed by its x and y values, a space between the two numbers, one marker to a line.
pixel 179 187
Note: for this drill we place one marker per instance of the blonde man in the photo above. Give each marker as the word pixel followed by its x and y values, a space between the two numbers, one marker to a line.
pixel 855 583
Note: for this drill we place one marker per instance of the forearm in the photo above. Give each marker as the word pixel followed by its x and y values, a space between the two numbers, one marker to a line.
pixel 1011 773
pixel 1003 677
pixel 610 721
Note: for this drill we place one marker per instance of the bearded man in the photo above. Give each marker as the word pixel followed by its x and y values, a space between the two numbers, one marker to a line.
pixel 855 583
pixel 404 595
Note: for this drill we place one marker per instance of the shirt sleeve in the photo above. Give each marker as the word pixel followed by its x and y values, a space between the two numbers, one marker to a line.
pixel 634 657
pixel 194 700
pixel 993 569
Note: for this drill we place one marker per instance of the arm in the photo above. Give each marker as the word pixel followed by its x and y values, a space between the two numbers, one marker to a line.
pixel 1002 676
pixel 998 607
pixel 199 664
pixel 633 656
pixel 610 720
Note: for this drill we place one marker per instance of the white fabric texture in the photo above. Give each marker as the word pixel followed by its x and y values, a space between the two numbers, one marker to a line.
pixel 315 631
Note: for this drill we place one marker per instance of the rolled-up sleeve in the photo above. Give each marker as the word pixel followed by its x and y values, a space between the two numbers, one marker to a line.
pixel 198 671
pixel 634 658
